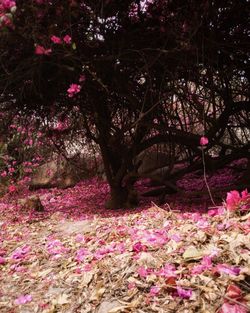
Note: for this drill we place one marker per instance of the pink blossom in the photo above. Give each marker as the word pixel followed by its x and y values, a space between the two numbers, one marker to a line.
pixel 67 39
pixel 100 253
pixel 233 292
pixel 60 126
pixel 138 247
pixel 56 40
pixel 20 253
pixel 40 50
pixel 81 254
pixel 156 239
pixel 142 271
pixel 80 238
pixel 12 188
pixel 206 264
pixel 230 270
pixel 236 201
pixel 154 291
pixel 56 248
pixel 8 4
pixel 2 260
pixel 120 247
pixel 202 224
pixel 87 268
pixel 232 308
pixel 73 89
pixel 6 20
pixel 4 174
pixel 184 293
pixel 233 200
pixel 217 211
pixel 2 252
pixel 82 78
pixel 167 271
pixel 203 141
pixel 176 237
pixel 23 299
pixel 245 195
pixel 131 286
pixel 27 170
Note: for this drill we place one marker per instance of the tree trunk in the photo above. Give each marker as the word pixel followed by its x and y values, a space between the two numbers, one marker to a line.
pixel 117 157
pixel 122 198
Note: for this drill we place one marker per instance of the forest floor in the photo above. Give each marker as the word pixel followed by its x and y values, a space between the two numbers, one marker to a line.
pixel 77 256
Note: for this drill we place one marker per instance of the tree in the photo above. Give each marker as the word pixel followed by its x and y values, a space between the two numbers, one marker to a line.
pixel 131 71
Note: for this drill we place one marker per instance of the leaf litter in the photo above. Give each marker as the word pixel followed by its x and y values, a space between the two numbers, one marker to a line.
pixel 79 259
pixel 152 261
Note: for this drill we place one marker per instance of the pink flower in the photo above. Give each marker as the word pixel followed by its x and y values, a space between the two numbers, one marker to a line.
pixel 233 292
pixel 11 170
pixel 167 271
pixel 236 201
pixel 232 308
pixel 40 50
pixel 142 271
pixel 87 268
pixel 206 264
pixel 12 188
pixel 184 293
pixel 80 238
pixel 8 4
pixel 156 239
pixel 2 260
pixel 23 299
pixel 154 291
pixel 230 270
pixel 67 39
pixel 203 141
pixel 20 253
pixel 131 286
pixel 81 254
pixel 56 248
pixel 56 40
pixel 233 200
pixel 82 78
pixel 73 89
pixel 176 237
pixel 245 195
pixel 138 247
pixel 218 211
pixel 4 174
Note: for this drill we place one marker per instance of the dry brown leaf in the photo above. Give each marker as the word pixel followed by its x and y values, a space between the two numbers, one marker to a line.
pixel 61 299
pixel 148 260
pixel 97 294
pixel 192 253
pixel 86 278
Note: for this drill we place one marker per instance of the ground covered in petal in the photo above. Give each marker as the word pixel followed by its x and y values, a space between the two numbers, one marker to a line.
pixel 79 257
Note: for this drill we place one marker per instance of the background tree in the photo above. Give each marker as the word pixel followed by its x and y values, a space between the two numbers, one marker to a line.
pixel 135 74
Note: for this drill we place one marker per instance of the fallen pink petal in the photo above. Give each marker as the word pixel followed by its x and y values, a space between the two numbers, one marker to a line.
pixel 184 293
pixel 23 299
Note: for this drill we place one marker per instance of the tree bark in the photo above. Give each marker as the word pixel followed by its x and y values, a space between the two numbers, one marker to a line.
pixel 122 197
